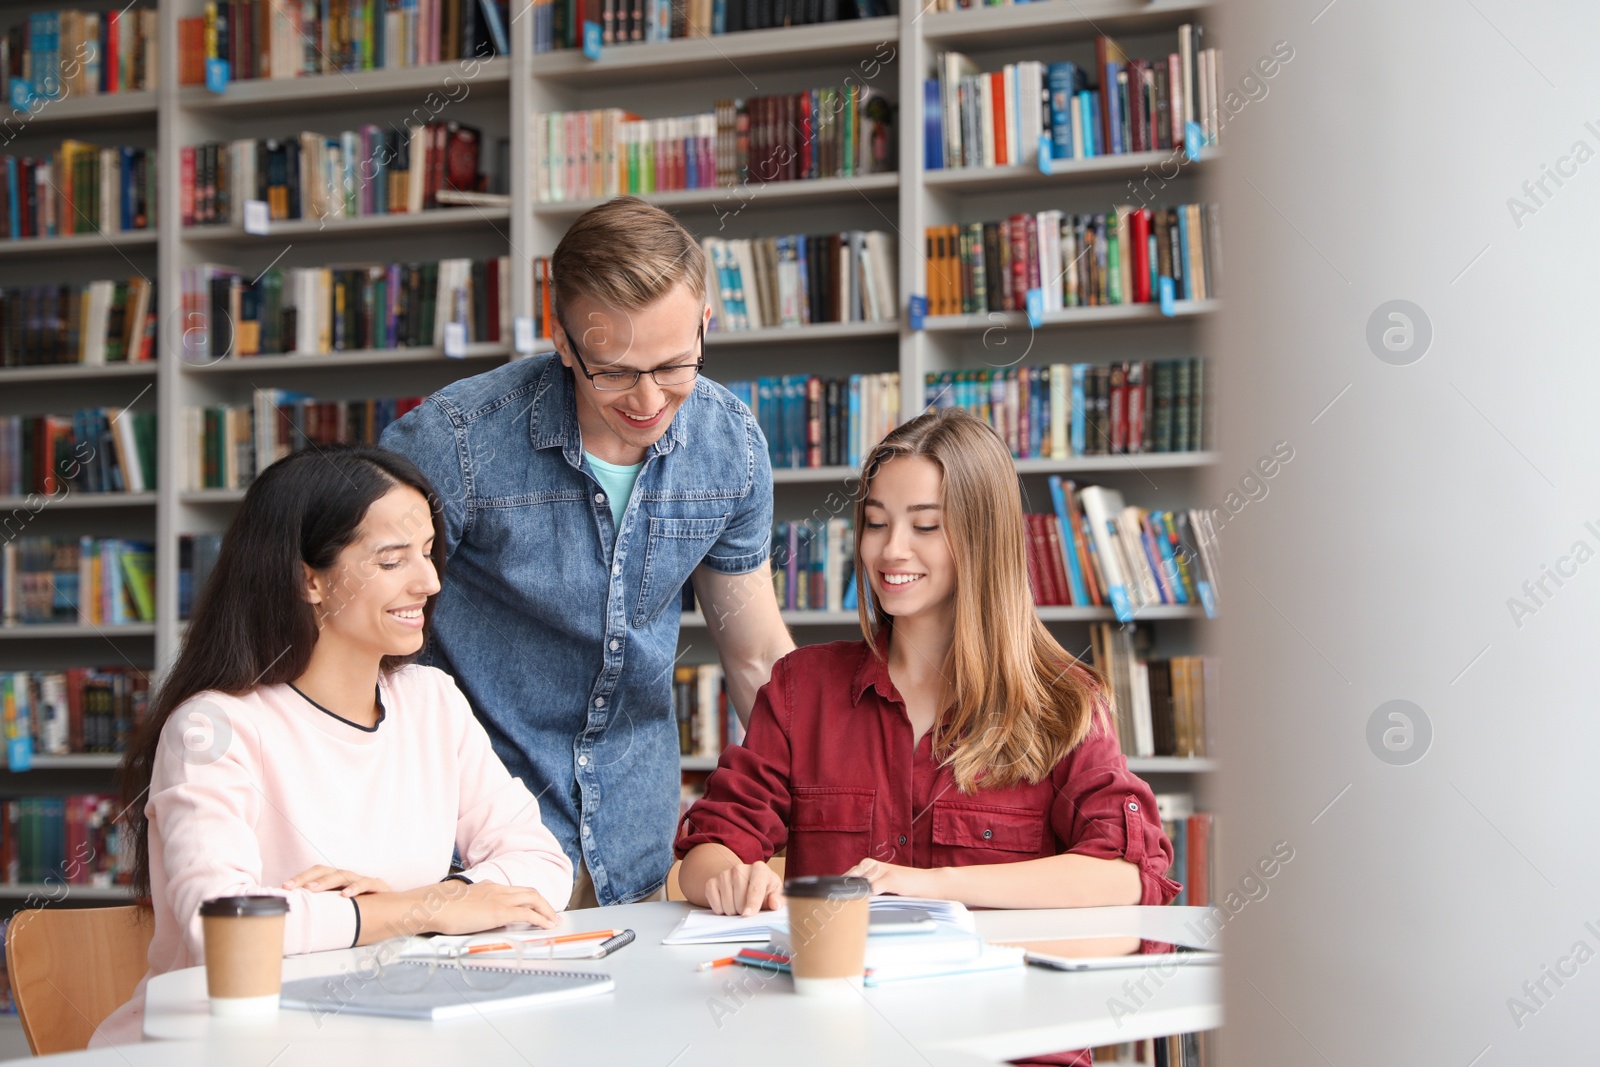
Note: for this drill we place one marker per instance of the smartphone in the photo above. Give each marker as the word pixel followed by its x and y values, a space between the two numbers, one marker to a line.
pixel 901 921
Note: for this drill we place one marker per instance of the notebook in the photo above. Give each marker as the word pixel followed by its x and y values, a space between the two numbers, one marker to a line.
pixel 701 927
pixel 411 989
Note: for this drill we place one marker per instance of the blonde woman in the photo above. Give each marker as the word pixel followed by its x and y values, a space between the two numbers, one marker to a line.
pixel 957 752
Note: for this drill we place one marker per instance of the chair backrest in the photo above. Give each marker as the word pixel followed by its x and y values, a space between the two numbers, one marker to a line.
pixel 70 968
pixel 675 893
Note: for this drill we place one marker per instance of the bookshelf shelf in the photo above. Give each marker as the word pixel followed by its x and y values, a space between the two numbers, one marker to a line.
pixel 1171 765
pixel 77 761
pixel 734 198
pixel 1053 21
pixel 58 892
pixel 358 226
pixel 1098 464
pixel 408 84
pixel 797 46
pixel 78 243
pixel 59 630
pixel 1066 172
pixel 211 496
pixel 810 334
pixel 1085 316
pixel 80 501
pixel 379 357
pixel 100 111
pixel 75 372
pixel 804 475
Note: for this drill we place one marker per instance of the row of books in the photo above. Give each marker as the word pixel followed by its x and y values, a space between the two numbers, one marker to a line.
pixel 57 54
pixel 796 280
pixel 558 24
pixel 1084 409
pixel 813 565
pixel 93 323
pixel 77 580
pixel 79 188
pixel 811 421
pixel 1159 705
pixel 974 118
pixel 72 840
pixel 1194 852
pixel 94 450
pixel 225 446
pixel 1125 256
pixel 1096 551
pixel 80 709
pixel 375 170
pixel 262 39
pixel 707 722
pixel 319 310
pixel 197 558
pixel 1174 1050
pixel 820 133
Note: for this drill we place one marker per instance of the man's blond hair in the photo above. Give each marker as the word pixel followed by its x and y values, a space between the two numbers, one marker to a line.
pixel 625 254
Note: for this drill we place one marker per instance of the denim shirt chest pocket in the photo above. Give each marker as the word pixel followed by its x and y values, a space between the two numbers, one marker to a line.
pixel 674 547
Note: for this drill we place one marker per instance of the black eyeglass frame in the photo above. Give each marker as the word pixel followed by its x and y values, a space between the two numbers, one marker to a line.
pixel 698 365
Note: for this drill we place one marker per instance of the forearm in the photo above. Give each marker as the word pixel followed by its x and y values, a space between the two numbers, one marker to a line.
pixel 406 914
pixel 1065 881
pixel 701 865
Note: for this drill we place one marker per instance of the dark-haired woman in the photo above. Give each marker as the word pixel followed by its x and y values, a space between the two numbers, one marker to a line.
pixel 292 751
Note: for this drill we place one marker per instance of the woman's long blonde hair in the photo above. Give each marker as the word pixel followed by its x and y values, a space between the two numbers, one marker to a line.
pixel 1017 702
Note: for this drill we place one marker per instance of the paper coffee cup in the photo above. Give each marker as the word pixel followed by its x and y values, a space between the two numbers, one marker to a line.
pixel 827 933
pixel 244 953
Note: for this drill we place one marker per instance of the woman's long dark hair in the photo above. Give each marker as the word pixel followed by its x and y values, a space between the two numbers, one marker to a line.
pixel 251 624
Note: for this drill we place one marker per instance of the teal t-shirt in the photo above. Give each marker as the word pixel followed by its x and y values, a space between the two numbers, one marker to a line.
pixel 617 482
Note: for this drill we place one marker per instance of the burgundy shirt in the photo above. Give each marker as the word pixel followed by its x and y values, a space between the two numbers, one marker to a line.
pixel 827 770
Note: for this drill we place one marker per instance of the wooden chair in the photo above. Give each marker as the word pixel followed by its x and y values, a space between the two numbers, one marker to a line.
pixel 675 893
pixel 70 968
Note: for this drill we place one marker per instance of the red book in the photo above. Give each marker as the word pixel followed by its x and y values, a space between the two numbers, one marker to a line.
pixel 1119 409
pixel 1017 298
pixel 1200 860
pixel 1053 553
pixel 808 157
pixel 1041 594
pixel 1136 400
pixel 1138 117
pixel 1139 234
pixel 186 184
pixel 1034 280
pixel 460 157
pixel 109 60
pixel 997 95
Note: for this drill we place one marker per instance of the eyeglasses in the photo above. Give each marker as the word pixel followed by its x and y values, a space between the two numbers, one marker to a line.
pixel 620 381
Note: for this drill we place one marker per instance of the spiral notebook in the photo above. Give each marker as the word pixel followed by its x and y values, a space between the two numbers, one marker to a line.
pixel 412 989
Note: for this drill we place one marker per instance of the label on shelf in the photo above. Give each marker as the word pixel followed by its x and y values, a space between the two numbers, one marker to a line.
pixel 1208 600
pixel 1193 138
pixel 591 40
pixel 919 310
pixel 21 95
pixel 256 217
pixel 1164 286
pixel 522 335
pixel 1046 159
pixel 19 753
pixel 217 75
pixel 455 340
pixel 1034 302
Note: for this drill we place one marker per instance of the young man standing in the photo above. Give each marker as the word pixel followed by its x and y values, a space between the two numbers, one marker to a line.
pixel 581 490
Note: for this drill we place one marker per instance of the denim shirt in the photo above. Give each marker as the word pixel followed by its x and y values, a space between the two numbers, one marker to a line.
pixel 563 630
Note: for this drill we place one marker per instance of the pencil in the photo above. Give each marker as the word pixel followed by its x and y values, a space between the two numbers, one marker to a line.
pixel 587 935
pixel 726 961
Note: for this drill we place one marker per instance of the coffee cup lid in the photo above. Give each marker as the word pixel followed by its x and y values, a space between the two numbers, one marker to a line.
pixel 832 886
pixel 245 906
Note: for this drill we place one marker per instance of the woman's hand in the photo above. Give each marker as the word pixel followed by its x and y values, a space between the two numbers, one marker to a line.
pixel 891 878
pixel 323 879
pixel 480 906
pixel 744 889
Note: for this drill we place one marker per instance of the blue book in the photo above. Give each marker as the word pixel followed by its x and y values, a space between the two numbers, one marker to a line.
pixel 1169 563
pixel 1111 100
pixel 800 243
pixel 1183 250
pixel 1062 79
pixel 854 453
pixel 768 405
pixel 932 126
pixel 15 221
pixel 1038 409
pixel 497 29
pixel 1075 582
pixel 719 16
pixel 1079 429
pixel 1091 124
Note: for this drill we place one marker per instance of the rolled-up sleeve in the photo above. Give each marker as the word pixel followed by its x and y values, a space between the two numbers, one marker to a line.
pixel 747 801
pixel 1105 811
pixel 746 541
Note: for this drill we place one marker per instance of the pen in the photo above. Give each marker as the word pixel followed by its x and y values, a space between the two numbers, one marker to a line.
pixel 726 961
pixel 587 935
pixel 611 944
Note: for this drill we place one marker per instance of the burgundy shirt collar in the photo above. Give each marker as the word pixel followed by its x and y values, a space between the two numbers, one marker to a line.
pixel 873 673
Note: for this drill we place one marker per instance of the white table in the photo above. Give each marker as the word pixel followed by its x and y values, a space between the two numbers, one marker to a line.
pixel 663 1012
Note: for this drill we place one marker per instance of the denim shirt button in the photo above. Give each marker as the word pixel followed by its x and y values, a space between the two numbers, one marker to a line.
pixel 583 761
pixel 615 644
pixel 616 569
pixel 585 829
pixel 599 702
pixel 599 498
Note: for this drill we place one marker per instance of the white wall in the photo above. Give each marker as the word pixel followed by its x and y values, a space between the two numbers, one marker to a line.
pixel 1380 563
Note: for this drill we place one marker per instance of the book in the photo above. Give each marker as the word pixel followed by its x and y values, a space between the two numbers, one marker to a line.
pixel 702 927
pixel 794 280
pixel 441 992
pixel 558 24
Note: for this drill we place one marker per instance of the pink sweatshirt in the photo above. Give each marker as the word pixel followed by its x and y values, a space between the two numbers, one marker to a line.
pixel 249 791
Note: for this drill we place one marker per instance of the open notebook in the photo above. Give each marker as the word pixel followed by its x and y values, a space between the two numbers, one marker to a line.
pixel 701 927
pixel 410 989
